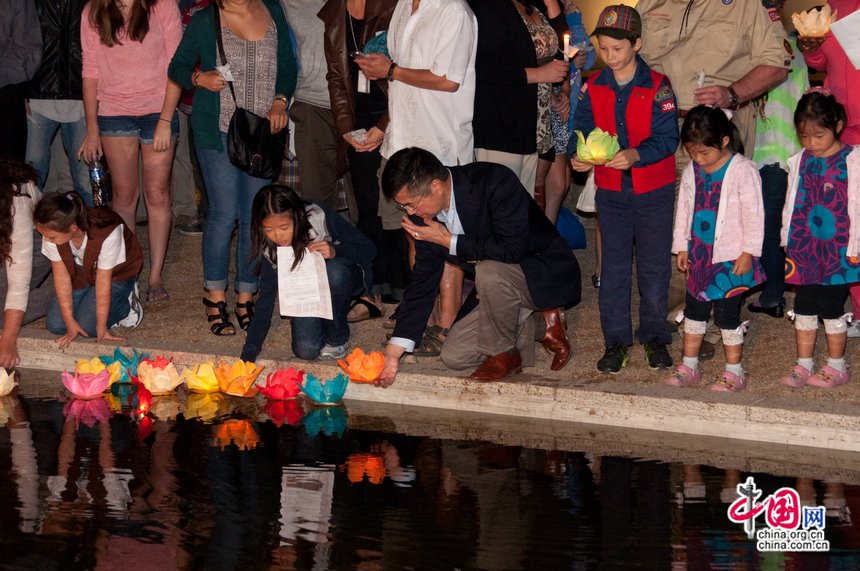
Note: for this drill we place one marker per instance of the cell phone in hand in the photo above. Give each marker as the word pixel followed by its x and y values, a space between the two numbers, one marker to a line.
pixel 357 55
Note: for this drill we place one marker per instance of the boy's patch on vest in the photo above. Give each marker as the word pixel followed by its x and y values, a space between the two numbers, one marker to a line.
pixel 582 90
pixel 663 94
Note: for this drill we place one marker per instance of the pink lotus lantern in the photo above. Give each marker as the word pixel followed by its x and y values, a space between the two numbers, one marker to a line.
pixel 283 384
pixel 86 385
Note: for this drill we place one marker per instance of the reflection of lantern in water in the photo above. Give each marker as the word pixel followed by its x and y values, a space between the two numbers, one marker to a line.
pixel 363 368
pixel 88 411
pixel 238 432
pixel 144 428
pixel 280 411
pixel 360 465
pixel 159 376
pixel 127 363
pixel 201 378
pixel 7 382
pixel 7 405
pixel 238 379
pixel 141 401
pixel 86 385
pixel 282 384
pixel 205 406
pixel 331 421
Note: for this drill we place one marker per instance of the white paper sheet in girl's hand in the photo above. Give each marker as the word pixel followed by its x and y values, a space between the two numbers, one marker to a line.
pixel 303 291
pixel 847 33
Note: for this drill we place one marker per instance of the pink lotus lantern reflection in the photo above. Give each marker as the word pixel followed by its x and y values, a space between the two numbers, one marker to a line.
pixel 86 385
pixel 283 384
pixel 89 411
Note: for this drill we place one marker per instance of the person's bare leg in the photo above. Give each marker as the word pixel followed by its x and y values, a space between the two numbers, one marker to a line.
pixel 836 345
pixel 734 353
pixel 806 343
pixel 450 295
pixel 557 183
pixel 122 158
pixel 541 182
pixel 156 193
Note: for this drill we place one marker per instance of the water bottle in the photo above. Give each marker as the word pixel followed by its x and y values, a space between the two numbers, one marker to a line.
pixel 100 182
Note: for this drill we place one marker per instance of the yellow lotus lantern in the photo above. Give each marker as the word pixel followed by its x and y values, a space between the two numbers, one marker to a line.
pixel 201 378
pixel 815 22
pixel 7 382
pixel 238 379
pixel 598 148
pixel 95 365
pixel 159 376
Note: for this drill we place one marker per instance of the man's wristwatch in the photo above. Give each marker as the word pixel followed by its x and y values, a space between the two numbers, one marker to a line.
pixel 734 100
pixel 390 76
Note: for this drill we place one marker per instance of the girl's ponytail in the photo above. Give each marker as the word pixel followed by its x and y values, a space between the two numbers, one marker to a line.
pixel 60 210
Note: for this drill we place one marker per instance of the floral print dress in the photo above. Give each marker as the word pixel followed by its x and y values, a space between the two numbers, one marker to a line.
pixel 707 281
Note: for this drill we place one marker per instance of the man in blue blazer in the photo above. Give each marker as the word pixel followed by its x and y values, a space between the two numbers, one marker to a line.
pixel 480 217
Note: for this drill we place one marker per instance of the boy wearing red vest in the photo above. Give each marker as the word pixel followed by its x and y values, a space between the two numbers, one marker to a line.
pixel 635 190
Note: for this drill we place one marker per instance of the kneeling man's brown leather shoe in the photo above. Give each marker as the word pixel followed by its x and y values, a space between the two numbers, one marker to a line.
pixel 498 366
pixel 555 341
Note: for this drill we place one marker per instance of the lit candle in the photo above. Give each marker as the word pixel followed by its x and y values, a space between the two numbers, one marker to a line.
pixel 566 47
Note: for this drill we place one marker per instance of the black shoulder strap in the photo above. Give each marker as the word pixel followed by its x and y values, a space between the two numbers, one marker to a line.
pixel 220 41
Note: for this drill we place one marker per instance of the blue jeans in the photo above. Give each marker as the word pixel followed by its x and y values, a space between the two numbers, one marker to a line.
pixel 40 132
pixel 231 193
pixel 774 184
pixel 643 222
pixel 345 280
pixel 84 308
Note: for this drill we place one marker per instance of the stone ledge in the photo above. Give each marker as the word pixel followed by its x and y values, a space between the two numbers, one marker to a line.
pixel 784 421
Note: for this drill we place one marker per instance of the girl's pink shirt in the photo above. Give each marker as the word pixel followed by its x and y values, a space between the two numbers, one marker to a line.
pixel 853 163
pixel 740 215
pixel 842 79
pixel 132 76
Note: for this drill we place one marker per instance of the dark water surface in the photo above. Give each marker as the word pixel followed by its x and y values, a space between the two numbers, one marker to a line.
pixel 218 482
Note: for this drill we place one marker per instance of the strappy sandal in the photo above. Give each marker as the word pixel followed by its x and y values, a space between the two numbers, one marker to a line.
pixel 221 320
pixel 373 312
pixel 431 342
pixel 391 322
pixel 244 319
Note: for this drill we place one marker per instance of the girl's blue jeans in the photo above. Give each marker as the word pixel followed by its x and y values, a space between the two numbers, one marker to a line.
pixel 84 308
pixel 231 193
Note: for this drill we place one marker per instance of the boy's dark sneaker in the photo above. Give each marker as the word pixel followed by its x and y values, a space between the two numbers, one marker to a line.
pixel 614 359
pixel 657 355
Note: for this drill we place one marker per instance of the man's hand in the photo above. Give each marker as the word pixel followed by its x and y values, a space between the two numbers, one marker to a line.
pixel 372 139
pixel 624 160
pixel 322 247
pixel 578 165
pixel 434 231
pixel 713 95
pixel 392 354
pixel 375 66
pixel 681 262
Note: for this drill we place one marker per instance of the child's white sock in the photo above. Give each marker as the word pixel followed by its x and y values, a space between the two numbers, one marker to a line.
pixel 806 362
pixel 838 364
pixel 736 368
pixel 692 362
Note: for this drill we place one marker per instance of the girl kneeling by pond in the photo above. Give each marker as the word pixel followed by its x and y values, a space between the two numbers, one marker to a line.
pixel 281 219
pixel 96 260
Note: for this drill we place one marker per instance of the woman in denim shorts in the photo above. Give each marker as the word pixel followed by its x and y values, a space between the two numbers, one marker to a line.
pixel 127 45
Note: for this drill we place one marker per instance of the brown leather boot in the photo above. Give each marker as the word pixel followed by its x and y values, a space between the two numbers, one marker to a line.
pixel 555 340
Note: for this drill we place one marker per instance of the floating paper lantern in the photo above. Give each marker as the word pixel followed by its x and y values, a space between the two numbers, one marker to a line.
pixel 599 148
pixel 283 384
pixel 238 379
pixel 325 392
pixel 96 365
pixel 87 411
pixel 363 368
pixel 815 22
pixel 127 363
pixel 284 411
pixel 238 432
pixel 201 378
pixel 159 376
pixel 86 385
pixel 7 382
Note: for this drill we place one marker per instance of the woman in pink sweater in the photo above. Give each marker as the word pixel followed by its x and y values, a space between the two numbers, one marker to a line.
pixel 127 45
pixel 843 81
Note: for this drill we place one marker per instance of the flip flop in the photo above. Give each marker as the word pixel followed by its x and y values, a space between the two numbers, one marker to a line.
pixel 373 312
pixel 157 295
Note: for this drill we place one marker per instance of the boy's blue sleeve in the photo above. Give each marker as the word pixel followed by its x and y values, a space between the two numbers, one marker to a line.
pixel 664 127
pixel 583 119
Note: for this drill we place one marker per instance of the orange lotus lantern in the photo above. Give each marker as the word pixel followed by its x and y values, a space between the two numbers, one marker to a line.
pixel 86 385
pixel 361 367
pixel 360 465
pixel 283 384
pixel 201 378
pixel 238 379
pixel 238 432
pixel 159 376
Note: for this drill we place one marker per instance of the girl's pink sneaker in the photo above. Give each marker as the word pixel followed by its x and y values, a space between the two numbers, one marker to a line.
pixel 828 378
pixel 730 383
pixel 683 376
pixel 797 377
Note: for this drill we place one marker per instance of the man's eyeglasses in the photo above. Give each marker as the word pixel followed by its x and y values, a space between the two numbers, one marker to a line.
pixel 409 208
